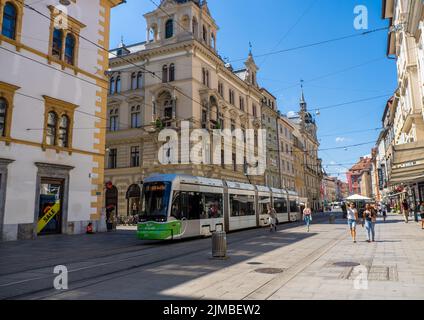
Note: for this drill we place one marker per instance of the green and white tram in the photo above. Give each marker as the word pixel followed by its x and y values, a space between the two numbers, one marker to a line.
pixel 181 206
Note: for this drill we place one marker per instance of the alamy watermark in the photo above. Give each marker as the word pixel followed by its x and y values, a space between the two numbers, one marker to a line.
pixel 214 147
pixel 60 282
pixel 360 21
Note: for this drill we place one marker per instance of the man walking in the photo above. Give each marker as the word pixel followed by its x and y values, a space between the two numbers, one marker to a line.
pixel 405 209
pixel 307 217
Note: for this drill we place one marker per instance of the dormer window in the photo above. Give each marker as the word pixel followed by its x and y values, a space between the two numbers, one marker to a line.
pixel 169 29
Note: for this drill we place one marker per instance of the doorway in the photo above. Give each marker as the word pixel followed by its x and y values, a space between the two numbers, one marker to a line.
pixel 50 215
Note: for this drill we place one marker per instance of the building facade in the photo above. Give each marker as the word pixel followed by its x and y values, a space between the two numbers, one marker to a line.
pixel 287 155
pixel 51 170
pixel 405 163
pixel 306 126
pixel 177 77
pixel 359 178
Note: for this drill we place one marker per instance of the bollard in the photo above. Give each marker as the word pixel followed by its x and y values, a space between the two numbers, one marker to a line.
pixel 219 244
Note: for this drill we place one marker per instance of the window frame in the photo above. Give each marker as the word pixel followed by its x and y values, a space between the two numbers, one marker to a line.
pixel 169 27
pixel 60 108
pixel 14 18
pixel 134 161
pixel 19 7
pixel 7 92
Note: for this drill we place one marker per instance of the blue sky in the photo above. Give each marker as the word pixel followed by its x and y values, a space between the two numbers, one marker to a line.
pixel 277 25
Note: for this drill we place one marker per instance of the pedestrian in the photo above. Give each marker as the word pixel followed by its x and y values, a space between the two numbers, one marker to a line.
pixel 352 219
pixel 90 228
pixel 422 214
pixel 307 217
pixel 405 209
pixel 384 210
pixel 370 216
pixel 344 209
pixel 272 218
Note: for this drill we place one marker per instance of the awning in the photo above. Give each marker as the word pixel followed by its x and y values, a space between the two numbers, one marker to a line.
pixel 408 164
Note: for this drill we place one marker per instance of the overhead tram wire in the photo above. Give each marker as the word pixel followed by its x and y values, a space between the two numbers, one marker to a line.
pixel 174 87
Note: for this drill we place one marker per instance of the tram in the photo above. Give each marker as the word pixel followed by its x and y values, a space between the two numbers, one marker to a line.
pixel 181 206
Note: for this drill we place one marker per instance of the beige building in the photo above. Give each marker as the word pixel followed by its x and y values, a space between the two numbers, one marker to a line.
pixel 287 156
pixel 175 76
pixel 406 44
pixel 306 126
pixel 270 121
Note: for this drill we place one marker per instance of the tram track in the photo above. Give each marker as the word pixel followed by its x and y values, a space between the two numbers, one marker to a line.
pixel 104 271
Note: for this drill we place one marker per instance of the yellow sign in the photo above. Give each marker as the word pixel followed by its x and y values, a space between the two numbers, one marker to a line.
pixel 51 212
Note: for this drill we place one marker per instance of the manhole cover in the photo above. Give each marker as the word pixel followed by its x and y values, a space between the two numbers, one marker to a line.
pixel 344 264
pixel 270 270
pixel 255 263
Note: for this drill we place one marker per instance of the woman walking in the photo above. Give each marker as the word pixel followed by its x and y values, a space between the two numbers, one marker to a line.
pixel 307 217
pixel 370 218
pixel 352 218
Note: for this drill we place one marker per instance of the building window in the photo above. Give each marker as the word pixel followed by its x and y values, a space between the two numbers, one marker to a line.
pixel 234 162
pixel 205 77
pixel 205 34
pixel 113 155
pixel 114 120
pixel 118 85
pixel 70 49
pixel 3 111
pixel 112 85
pixel 133 81
pixel 135 117
pixel 221 89
pixel 63 132
pixel 58 123
pixel 165 74
pixel 231 96
pixel 172 72
pixel 51 129
pixel 139 79
pixel 10 18
pixel 135 157
pixel 255 111
pixel 169 29
pixel 57 43
pixel 241 103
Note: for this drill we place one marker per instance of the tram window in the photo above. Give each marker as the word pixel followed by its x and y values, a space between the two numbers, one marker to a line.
pixel 242 205
pixel 213 206
pixel 280 205
pixel 188 205
pixel 293 206
pixel 263 204
pixel 155 199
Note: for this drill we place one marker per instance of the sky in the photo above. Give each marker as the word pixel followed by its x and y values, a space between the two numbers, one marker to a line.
pixel 334 73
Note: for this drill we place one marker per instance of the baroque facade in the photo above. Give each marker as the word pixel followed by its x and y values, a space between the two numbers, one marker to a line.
pixel 177 77
pixel 51 170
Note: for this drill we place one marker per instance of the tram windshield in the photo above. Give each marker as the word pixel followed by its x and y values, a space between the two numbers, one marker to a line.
pixel 155 200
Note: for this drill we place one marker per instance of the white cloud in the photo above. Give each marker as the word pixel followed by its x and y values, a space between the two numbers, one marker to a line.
pixel 340 139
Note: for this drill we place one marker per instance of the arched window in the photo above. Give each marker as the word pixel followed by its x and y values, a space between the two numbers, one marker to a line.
pixel 3 111
pixel 133 81
pixel 51 129
pixel 139 79
pixel 10 17
pixel 165 74
pixel 118 84
pixel 205 34
pixel 172 72
pixel 57 43
pixel 64 132
pixel 70 49
pixel 213 41
pixel 195 26
pixel 112 85
pixel 169 29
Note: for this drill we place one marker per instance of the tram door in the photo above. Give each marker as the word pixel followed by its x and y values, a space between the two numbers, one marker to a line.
pixel 50 208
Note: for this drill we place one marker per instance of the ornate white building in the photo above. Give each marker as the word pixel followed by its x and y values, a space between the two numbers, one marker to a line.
pixel 53 92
